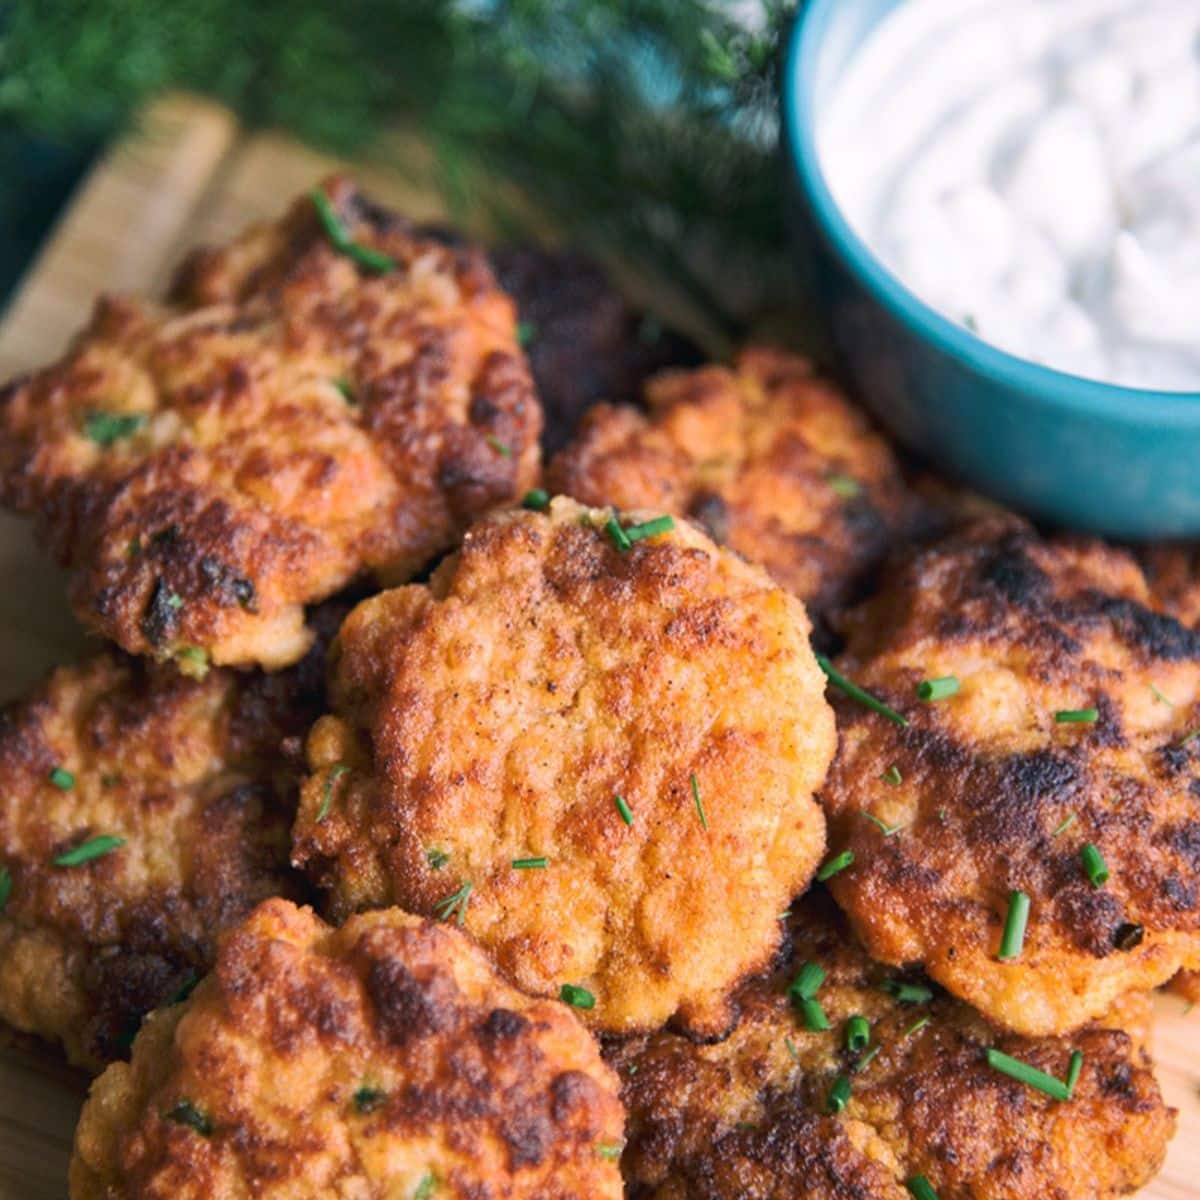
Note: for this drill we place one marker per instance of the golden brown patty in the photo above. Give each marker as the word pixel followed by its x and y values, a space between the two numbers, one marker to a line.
pixel 498 714
pixel 769 457
pixel 987 792
pixel 193 775
pixel 746 1118
pixel 294 420
pixel 1173 572
pixel 382 1059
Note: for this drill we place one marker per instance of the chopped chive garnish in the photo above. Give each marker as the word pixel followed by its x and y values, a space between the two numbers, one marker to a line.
pixel 892 776
pixel 918 1186
pixel 907 993
pixel 529 864
pixel 1094 865
pixel 867 1059
pixel 1128 936
pixel 839 1094
pixel 858 1033
pixel 839 862
pixel 617 535
pixel 1073 1069
pixel 1012 942
pixel 536 500
pixel 186 988
pixel 455 904
pixel 883 827
pixel 104 428
pixel 649 529
pixel 335 773
pixel 609 1150
pixel 1187 738
pixel 852 690
pixel 369 1099
pixel 1065 825
pixel 811 1014
pixel 807 982
pixel 341 240
pixel 347 389
pixel 793 1053
pixel 95 847
pixel 1022 1072
pixel 5 887
pixel 1160 697
pixel 939 688
pixel 526 332
pixel 436 859
pixel 186 1113
pixel 1077 716
pixel 197 656
pixel 624 809
pixel 426 1188
pixel 699 802
pixel 576 997
pixel 62 779
pixel 845 486
pixel 500 448
pixel 917 1026
pixel 173 600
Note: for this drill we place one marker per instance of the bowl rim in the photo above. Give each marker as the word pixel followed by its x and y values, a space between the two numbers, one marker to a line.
pixel 1053 386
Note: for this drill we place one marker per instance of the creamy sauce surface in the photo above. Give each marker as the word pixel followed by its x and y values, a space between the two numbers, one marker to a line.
pixel 1031 169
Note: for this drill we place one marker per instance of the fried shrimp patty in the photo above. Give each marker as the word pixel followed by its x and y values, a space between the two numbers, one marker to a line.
pixel 305 412
pixel 141 812
pixel 771 459
pixel 386 1058
pixel 600 761
pixel 749 1117
pixel 1061 763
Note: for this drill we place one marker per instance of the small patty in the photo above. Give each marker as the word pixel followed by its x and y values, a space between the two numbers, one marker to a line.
pixel 550 697
pixel 383 1059
pixel 1002 786
pixel 293 420
pixel 771 459
pixel 748 1118
pixel 193 775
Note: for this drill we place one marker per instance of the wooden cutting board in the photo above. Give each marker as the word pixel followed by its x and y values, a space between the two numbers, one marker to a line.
pixel 190 175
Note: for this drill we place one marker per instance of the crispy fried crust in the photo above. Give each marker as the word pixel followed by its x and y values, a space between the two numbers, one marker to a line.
pixel 246 484
pixel 365 1061
pixel 586 345
pixel 989 777
pixel 742 1118
pixel 194 775
pixel 1173 572
pixel 772 460
pixel 496 714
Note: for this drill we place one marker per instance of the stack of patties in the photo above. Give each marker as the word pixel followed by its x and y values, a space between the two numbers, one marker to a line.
pixel 554 798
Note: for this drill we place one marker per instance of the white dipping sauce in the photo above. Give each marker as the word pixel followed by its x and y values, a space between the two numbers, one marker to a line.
pixel 1031 169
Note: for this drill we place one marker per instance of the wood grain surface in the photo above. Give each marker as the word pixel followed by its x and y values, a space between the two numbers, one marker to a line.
pixel 189 175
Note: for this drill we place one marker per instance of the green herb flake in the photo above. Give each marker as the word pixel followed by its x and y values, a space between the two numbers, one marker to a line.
pixel 883 827
pixel 1077 716
pixel 852 690
pixel 500 448
pixel 1074 1067
pixel 649 529
pixel 858 1034
pixel 186 1113
pixel 1012 941
pixel 197 656
pixel 941 688
pixel 576 997
pixel 1160 697
pixel 104 428
pixel 617 535
pixel 845 486
pixel 835 865
pixel 5 887
pixel 1022 1072
pixel 526 332
pixel 96 847
pixel 624 809
pixel 611 1151
pixel 426 1188
pixel 917 1026
pixel 367 1099
pixel 343 243
pixel 436 859
pixel 790 1046
pixel 454 905
pixel 1065 825
pixel 839 1095
pixel 907 993
pixel 892 776
pixel 347 390
pixel 812 1015
pixel 335 773
pixel 920 1188
pixel 529 864
pixel 1187 739
pixel 536 500
pixel 807 982
pixel 699 803
pixel 62 779
pixel 1094 865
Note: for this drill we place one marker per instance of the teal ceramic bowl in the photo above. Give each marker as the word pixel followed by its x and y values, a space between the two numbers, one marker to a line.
pixel 1088 455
